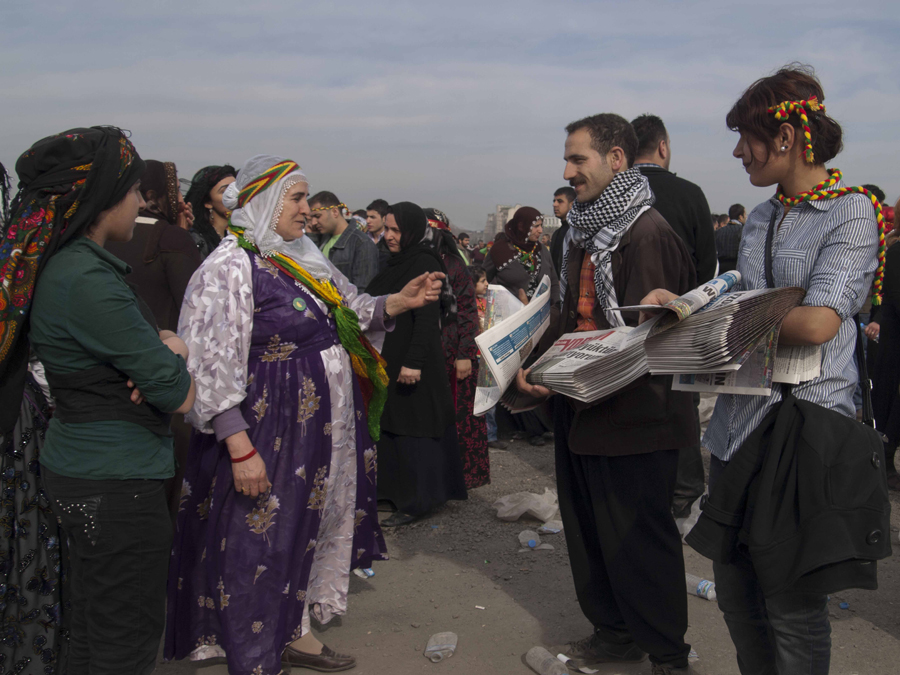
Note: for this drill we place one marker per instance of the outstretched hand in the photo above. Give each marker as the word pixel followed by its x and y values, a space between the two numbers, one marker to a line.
pixel 417 293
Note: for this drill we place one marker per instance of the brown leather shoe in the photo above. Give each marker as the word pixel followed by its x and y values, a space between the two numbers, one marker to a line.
pixel 326 662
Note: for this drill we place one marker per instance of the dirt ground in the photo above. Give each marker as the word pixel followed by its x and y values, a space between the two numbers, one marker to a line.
pixel 460 570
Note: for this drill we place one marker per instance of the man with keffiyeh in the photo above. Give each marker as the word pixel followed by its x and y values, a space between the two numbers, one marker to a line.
pixel 616 459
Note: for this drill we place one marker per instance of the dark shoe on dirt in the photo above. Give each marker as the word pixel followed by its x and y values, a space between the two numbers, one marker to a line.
pixel 893 481
pixel 397 519
pixel 668 669
pixel 326 662
pixel 593 650
pixel 537 441
pixel 498 445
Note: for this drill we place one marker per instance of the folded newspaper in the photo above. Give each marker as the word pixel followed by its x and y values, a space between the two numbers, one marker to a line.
pixel 711 339
pixel 513 332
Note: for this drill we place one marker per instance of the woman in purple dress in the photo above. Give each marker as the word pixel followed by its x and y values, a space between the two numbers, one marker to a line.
pixel 278 500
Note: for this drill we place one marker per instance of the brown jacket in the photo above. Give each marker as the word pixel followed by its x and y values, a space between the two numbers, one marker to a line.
pixel 162 257
pixel 647 415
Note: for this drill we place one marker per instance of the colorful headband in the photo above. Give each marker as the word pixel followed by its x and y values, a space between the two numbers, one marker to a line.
pixel 784 109
pixel 262 182
pixel 438 224
pixel 328 208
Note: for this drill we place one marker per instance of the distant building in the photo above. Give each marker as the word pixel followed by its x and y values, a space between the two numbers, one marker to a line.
pixel 496 220
pixel 503 214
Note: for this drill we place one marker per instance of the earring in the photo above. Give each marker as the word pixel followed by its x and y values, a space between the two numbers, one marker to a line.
pixel 784 148
pixel 210 214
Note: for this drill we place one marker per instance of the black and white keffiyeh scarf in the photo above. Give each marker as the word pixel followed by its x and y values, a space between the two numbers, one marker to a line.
pixel 599 226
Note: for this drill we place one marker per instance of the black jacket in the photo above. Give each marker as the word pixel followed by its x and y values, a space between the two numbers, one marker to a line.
pixel 685 208
pixel 805 497
pixel 556 245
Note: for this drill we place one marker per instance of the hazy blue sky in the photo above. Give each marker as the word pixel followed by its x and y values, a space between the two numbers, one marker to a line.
pixel 459 105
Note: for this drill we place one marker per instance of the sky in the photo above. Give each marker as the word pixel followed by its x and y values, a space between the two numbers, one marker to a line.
pixel 457 105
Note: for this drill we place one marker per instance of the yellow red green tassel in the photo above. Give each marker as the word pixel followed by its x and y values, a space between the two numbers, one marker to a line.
pixel 784 110
pixel 823 191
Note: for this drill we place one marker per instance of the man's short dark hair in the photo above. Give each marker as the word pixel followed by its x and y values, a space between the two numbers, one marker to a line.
pixel 567 192
pixel 326 199
pixel 723 218
pixel 715 218
pixel 875 190
pixel 608 131
pixel 360 212
pixel 650 130
pixel 380 206
pixel 735 211
pixel 462 235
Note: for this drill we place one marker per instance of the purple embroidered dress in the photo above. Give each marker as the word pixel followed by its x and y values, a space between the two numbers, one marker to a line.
pixel 245 572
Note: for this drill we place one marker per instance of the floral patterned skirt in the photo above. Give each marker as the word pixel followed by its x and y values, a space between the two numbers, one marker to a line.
pixel 246 572
pixel 30 560
pixel 471 430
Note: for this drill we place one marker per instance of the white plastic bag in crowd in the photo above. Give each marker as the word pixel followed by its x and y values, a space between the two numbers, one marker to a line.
pixel 514 506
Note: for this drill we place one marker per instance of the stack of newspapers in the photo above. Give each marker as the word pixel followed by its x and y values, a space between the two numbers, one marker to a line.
pixel 711 339
pixel 592 365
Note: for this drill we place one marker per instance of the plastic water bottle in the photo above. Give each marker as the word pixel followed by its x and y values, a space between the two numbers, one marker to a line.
pixel 529 539
pixel 702 588
pixel 544 663
pixel 441 646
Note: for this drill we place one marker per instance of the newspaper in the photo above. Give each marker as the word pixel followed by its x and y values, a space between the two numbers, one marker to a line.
pixel 506 345
pixel 591 365
pixel 692 301
pixel 710 340
pixel 500 304
pixel 791 365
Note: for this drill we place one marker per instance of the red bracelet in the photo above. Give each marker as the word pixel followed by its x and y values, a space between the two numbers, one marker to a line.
pixel 244 458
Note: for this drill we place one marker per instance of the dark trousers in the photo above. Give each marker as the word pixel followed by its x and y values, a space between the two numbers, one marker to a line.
pixel 783 634
pixel 691 479
pixel 119 539
pixel 624 549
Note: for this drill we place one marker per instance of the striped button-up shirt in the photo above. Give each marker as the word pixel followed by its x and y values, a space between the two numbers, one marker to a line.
pixel 829 248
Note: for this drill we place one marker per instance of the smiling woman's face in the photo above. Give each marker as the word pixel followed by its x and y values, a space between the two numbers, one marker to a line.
pixel 294 212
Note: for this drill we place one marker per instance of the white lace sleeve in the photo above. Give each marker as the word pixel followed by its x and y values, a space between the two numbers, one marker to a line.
pixel 216 322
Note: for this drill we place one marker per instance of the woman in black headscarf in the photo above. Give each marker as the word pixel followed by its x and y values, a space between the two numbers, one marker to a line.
pixel 30 559
pixel 419 465
pixel 205 199
pixel 113 377
pixel 517 260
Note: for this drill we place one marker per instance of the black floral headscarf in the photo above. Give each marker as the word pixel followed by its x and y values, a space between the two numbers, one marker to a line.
pixel 65 181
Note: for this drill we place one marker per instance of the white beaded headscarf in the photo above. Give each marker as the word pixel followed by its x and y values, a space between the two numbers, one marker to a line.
pixel 259 216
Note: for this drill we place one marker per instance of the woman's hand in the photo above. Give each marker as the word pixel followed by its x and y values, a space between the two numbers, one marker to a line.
pixel 463 368
pixel 417 293
pixel 408 375
pixel 523 297
pixel 136 396
pixel 872 331
pixel 250 476
pixel 533 390
pixel 659 296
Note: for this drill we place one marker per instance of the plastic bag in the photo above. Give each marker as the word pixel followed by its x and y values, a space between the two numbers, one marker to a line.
pixel 514 506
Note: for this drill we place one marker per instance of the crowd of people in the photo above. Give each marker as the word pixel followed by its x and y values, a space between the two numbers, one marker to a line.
pixel 209 399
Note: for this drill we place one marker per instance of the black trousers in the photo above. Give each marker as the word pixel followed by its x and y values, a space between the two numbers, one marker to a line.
pixel 624 549
pixel 691 479
pixel 119 539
